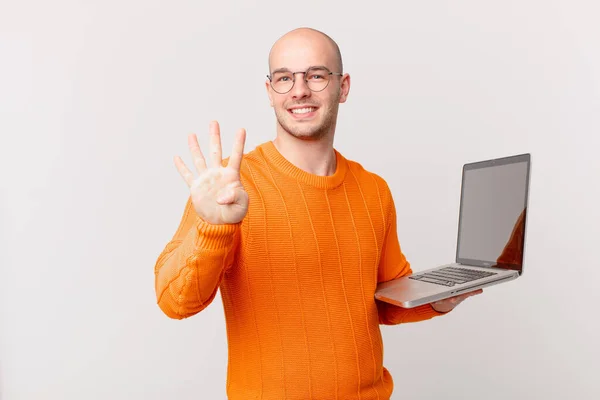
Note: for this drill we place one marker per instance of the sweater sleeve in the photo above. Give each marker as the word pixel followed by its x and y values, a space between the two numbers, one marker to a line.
pixel 190 268
pixel 393 265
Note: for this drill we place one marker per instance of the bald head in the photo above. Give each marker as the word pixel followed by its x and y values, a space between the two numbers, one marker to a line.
pixel 306 41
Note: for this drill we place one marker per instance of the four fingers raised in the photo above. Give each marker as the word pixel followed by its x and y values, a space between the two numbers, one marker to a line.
pixel 216 159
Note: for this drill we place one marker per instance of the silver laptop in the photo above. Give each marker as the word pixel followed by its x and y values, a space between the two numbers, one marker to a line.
pixel 491 236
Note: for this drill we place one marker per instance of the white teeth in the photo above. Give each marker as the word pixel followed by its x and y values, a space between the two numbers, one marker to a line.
pixel 303 110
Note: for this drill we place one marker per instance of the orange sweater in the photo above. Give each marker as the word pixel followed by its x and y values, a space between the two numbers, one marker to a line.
pixel 297 278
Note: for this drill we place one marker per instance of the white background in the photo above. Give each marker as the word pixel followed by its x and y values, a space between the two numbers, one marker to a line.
pixel 96 97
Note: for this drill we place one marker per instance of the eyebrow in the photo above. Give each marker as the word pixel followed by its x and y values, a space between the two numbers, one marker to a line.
pixel 288 70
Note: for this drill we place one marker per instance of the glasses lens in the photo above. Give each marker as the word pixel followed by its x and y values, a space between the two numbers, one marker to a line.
pixel 282 82
pixel 317 79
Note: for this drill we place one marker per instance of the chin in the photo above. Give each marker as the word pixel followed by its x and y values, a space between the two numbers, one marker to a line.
pixel 303 133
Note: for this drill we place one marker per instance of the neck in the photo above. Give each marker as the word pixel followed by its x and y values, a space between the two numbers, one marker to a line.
pixel 313 156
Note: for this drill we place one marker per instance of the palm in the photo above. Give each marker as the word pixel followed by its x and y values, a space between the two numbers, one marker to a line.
pixel 217 193
pixel 207 189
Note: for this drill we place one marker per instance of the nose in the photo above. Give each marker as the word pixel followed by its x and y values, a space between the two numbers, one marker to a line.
pixel 300 89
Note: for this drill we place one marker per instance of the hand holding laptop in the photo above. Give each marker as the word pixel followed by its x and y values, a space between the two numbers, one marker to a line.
pixel 490 244
pixel 447 305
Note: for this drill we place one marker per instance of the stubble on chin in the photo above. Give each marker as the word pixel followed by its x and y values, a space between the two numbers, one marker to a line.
pixel 312 132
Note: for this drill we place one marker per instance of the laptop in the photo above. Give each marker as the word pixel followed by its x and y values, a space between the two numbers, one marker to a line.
pixel 490 241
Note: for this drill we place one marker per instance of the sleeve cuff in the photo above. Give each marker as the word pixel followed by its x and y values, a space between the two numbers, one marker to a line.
pixel 212 237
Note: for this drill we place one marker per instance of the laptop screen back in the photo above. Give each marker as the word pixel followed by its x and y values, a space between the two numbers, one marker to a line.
pixel 493 212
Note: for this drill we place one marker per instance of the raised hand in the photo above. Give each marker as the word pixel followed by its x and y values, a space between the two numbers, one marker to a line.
pixel 217 192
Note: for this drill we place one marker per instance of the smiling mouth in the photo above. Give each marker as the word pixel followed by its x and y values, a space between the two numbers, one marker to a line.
pixel 304 110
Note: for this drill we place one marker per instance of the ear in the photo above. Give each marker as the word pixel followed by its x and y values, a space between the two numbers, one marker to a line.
pixel 345 88
pixel 269 92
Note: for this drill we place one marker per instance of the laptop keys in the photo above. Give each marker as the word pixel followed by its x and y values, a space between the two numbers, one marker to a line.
pixel 430 279
pixel 450 276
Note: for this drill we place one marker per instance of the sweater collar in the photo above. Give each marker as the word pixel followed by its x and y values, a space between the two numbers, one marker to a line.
pixel 277 160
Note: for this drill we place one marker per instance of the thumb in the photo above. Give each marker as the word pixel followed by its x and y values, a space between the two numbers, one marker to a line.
pixel 232 195
pixel 226 196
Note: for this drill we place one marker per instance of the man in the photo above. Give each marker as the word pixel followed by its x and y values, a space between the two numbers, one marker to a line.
pixel 296 237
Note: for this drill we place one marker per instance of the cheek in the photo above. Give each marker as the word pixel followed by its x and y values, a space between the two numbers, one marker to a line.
pixel 280 109
pixel 279 106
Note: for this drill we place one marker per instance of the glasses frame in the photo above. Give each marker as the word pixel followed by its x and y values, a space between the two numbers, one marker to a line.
pixel 329 73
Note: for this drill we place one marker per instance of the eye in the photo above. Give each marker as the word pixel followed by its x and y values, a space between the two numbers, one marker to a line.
pixel 282 77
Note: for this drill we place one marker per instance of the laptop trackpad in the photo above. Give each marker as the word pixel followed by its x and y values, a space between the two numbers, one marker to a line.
pixel 406 289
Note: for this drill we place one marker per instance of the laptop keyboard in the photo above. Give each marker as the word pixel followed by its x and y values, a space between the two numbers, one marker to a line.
pixel 450 276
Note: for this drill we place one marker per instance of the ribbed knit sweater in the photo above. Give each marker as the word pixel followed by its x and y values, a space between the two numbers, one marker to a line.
pixel 297 279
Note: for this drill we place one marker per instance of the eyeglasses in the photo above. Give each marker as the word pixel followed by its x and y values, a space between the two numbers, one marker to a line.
pixel 316 78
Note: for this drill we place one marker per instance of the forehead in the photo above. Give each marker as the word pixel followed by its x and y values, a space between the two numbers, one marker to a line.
pixel 298 53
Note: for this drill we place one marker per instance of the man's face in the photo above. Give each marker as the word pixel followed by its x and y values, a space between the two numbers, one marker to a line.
pixel 301 112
